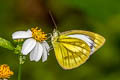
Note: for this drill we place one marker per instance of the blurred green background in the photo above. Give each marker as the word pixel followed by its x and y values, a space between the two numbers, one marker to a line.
pixel 100 16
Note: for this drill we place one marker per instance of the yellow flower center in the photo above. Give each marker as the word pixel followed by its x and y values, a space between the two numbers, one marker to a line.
pixel 5 71
pixel 38 35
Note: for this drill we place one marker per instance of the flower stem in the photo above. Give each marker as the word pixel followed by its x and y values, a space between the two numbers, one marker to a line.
pixel 20 68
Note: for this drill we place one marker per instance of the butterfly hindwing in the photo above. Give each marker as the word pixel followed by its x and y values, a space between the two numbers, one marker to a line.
pixel 71 52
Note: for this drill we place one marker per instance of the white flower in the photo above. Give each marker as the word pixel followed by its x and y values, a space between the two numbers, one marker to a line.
pixel 34 44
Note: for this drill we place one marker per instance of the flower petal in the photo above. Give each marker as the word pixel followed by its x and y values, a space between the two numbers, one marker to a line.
pixel 36 53
pixel 45 53
pixel 22 34
pixel 46 46
pixel 28 45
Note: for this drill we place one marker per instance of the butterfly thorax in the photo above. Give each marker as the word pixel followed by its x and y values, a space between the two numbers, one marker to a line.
pixel 55 35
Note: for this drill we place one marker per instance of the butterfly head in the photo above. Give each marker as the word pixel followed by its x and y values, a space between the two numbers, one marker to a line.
pixel 56 33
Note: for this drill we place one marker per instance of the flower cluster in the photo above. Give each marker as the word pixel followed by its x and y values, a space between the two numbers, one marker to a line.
pixel 34 44
pixel 5 71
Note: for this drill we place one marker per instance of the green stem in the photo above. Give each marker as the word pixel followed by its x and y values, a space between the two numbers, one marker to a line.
pixel 20 68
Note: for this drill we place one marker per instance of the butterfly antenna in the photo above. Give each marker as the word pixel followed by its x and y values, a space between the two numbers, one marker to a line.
pixel 53 20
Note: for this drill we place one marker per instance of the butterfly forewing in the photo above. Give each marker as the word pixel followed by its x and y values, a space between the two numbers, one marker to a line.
pixel 70 52
pixel 97 39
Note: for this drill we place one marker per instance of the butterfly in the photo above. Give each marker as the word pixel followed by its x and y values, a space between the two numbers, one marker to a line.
pixel 73 48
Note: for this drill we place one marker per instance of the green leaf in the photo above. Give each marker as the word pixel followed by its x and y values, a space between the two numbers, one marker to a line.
pixel 6 44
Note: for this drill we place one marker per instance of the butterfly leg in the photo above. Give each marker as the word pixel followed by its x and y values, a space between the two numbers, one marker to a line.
pixel 49 36
pixel 51 48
